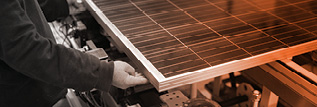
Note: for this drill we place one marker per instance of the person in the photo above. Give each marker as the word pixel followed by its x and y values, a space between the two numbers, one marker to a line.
pixel 35 71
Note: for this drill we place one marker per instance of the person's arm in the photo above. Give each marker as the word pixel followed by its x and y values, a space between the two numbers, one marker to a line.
pixel 54 9
pixel 29 53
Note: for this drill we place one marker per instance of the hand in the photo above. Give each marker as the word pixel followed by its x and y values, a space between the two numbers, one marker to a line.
pixel 124 76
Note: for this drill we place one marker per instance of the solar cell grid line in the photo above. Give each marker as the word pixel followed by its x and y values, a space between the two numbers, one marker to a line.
pixel 232 30
pixel 178 42
pixel 261 20
pixel 129 21
pixel 165 42
pixel 125 15
pixel 198 38
pixel 249 25
pixel 276 42
pixel 160 8
pixel 174 21
pixel 288 44
pixel 146 23
pixel 131 33
pixel 148 42
pixel 121 11
pixel 183 30
pixel 189 3
pixel 191 68
pixel 136 20
pixel 192 34
pixel 256 42
pixel 311 5
pixel 136 33
pixel 169 53
pixel 154 6
pixel 215 1
pixel 153 39
pixel 234 17
pixel 226 54
pixel 155 51
pixel 129 30
pixel 288 22
pixel 268 4
pixel 307 24
pixel 173 67
pixel 236 7
pixel 296 1
pixel 299 38
pixel 153 19
pixel 290 33
pixel 168 42
pixel 184 68
pixel 206 13
pixel 147 35
pixel 174 59
pixel 291 13
pixel 162 26
pixel 106 6
pixel 229 26
pixel 282 18
pixel 110 3
pixel 170 59
pixel 306 37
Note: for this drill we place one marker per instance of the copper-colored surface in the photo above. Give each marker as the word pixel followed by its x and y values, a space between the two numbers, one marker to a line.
pixel 181 36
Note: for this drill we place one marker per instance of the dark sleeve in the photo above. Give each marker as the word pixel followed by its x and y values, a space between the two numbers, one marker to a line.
pixel 29 53
pixel 54 9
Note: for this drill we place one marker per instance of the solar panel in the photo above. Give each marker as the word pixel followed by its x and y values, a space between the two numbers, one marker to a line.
pixel 177 42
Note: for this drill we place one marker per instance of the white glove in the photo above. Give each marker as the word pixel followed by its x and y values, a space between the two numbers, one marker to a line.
pixel 124 76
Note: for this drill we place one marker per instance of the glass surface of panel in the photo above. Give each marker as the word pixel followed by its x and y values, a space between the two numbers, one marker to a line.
pixel 179 36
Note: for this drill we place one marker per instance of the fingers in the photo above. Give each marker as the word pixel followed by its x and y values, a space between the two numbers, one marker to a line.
pixel 125 76
pixel 138 74
pixel 126 67
pixel 129 69
pixel 133 80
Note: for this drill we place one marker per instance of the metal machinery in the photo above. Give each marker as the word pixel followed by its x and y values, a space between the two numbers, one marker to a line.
pixel 179 42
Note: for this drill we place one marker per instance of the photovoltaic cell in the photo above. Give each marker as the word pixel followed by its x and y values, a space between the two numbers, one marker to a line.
pixel 310 6
pixel 154 6
pixel 309 25
pixel 229 26
pixel 256 42
pixel 236 7
pixel 173 19
pixel 206 12
pixel 185 4
pixel 291 13
pixel 291 34
pixel 192 34
pixel 179 36
pixel 261 20
pixel 294 1
pixel 267 4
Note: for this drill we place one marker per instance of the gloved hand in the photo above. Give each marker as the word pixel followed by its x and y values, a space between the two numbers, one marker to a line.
pixel 124 76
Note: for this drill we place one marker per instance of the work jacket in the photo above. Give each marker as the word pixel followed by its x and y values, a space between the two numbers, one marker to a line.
pixel 34 70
